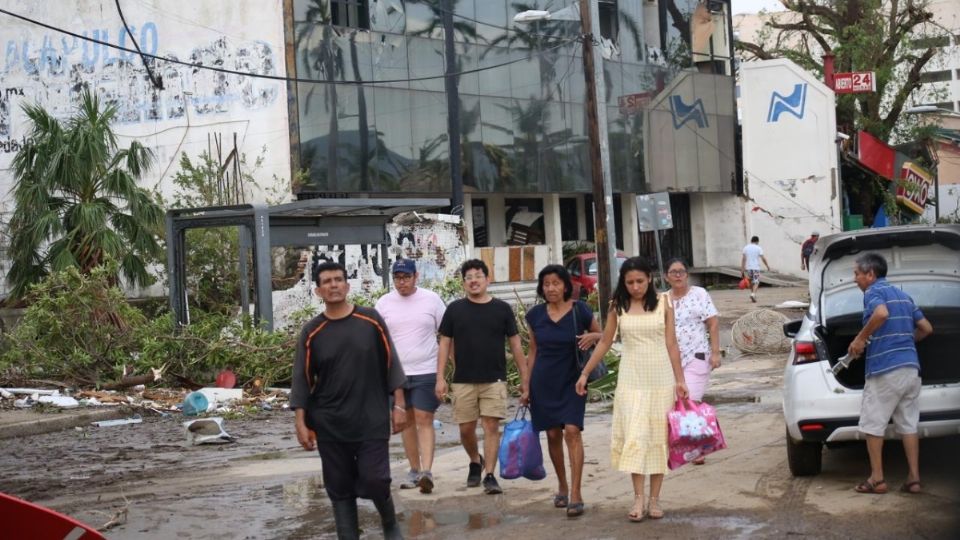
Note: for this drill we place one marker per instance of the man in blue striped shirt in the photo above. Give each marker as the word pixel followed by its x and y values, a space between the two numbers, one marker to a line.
pixel 892 324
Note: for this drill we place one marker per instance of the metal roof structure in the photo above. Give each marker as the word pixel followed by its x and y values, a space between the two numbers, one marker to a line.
pixel 300 223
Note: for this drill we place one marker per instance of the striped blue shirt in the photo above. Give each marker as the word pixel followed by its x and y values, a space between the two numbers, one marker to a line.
pixel 891 346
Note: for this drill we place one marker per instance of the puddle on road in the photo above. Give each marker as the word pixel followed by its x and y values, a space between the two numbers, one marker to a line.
pixel 733 527
pixel 312 516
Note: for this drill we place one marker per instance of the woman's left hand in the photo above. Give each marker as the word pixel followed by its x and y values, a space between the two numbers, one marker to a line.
pixel 682 392
pixel 587 340
pixel 714 360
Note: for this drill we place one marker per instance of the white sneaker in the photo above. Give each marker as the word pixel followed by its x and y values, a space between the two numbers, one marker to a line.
pixel 411 481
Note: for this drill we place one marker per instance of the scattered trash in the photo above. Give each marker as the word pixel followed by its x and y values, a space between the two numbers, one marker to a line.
pixel 207 431
pixel 135 419
pixel 226 379
pixel 65 402
pixel 222 397
pixel 32 391
pixel 195 403
pixel 437 424
pixel 792 304
pixel 24 403
pixel 90 402
pixel 266 407
pixel 5 394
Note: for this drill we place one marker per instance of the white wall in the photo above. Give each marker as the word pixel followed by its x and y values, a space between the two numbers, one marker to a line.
pixel 718 229
pixel 789 159
pixel 45 67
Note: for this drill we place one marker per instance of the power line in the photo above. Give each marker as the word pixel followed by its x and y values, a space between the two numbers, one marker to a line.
pixel 157 81
pixel 280 77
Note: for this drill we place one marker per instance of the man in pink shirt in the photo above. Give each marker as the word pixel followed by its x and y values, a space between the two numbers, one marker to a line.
pixel 413 317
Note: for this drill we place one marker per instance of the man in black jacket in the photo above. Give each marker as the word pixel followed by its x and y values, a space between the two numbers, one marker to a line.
pixel 344 371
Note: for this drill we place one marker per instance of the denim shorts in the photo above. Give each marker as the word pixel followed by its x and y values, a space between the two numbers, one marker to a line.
pixel 420 392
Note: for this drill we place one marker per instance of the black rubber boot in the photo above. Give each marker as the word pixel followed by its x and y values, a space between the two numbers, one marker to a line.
pixel 388 518
pixel 345 516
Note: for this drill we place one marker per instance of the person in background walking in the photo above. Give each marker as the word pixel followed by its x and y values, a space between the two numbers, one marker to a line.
pixel 477 326
pixel 750 265
pixel 648 383
pixel 413 316
pixel 556 332
pixel 807 249
pixel 697 330
pixel 343 372
pixel 892 324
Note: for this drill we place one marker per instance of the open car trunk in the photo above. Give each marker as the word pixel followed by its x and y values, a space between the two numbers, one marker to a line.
pixel 938 352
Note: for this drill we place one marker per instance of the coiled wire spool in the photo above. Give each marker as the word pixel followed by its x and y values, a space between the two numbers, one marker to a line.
pixel 760 332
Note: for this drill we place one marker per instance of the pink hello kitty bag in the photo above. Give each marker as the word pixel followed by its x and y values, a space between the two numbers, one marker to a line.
pixel 693 432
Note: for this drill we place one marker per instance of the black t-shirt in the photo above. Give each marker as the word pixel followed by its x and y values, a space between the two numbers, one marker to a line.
pixel 343 373
pixel 478 332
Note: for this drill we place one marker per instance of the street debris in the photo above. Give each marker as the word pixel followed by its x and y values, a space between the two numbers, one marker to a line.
pixel 64 402
pixel 194 404
pixel 207 431
pixel 135 419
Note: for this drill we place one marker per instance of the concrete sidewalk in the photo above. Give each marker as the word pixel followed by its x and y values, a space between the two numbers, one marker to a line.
pixel 26 422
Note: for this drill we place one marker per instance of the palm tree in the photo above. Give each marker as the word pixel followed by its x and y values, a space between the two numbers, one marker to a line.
pixel 77 202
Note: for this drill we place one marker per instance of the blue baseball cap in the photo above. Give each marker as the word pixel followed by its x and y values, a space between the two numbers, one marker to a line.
pixel 404 266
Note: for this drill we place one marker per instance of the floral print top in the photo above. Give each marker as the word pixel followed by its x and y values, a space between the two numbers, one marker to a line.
pixel 690 313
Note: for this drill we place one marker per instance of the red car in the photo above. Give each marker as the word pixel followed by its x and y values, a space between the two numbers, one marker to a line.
pixel 583 272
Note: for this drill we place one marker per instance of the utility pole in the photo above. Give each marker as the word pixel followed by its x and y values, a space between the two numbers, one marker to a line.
pixel 605 234
pixel 453 110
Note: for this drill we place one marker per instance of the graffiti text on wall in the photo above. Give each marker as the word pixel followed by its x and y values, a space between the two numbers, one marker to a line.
pixel 49 69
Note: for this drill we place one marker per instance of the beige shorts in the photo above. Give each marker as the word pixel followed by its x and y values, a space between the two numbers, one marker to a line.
pixel 471 401
pixel 893 395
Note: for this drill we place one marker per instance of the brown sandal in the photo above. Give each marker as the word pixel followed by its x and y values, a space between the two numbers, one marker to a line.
pixel 908 488
pixel 879 487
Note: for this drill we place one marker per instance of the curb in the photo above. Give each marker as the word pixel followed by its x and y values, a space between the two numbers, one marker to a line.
pixel 59 421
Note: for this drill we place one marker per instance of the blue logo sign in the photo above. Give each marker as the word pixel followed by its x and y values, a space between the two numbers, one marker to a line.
pixel 683 113
pixel 794 104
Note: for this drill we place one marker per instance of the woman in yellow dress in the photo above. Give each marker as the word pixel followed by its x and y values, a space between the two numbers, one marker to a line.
pixel 650 379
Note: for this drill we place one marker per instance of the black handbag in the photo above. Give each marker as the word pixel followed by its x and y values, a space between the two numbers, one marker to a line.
pixel 583 356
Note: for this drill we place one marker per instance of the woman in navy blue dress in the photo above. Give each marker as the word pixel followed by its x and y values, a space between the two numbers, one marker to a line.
pixel 555 406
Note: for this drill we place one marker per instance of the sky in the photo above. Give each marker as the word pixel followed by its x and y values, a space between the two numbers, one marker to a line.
pixel 753 6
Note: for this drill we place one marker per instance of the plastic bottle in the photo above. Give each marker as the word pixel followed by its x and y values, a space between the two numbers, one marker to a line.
pixel 437 424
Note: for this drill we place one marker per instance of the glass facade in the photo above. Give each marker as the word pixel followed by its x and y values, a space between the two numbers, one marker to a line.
pixel 522 118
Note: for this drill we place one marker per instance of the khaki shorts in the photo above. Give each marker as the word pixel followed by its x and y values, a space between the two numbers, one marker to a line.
pixel 891 395
pixel 471 401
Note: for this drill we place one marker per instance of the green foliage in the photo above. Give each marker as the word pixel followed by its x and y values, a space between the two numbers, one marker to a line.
pixel 77 202
pixel 449 289
pixel 212 342
pixel 77 328
pixel 367 299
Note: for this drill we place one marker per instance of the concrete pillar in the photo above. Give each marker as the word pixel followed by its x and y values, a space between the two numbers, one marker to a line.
pixel 631 227
pixel 468 220
pixel 496 220
pixel 551 227
pixel 582 217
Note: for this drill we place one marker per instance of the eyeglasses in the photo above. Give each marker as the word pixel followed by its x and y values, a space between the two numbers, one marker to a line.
pixel 677 272
pixel 402 277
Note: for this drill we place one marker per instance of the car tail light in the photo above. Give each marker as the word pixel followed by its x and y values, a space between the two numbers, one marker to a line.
pixel 804 352
pixel 811 427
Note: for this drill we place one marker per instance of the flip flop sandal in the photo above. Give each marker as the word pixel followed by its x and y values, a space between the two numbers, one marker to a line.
pixel 908 488
pixel 653 509
pixel 879 487
pixel 560 501
pixel 575 510
pixel 635 515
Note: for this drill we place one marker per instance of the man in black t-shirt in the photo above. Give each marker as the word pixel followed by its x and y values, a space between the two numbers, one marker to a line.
pixel 344 371
pixel 477 325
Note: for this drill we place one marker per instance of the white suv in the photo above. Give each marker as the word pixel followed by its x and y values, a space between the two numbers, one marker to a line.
pixel 820 407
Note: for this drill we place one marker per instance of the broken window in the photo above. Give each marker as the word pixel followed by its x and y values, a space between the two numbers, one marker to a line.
pixel 350 13
pixel 609 27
